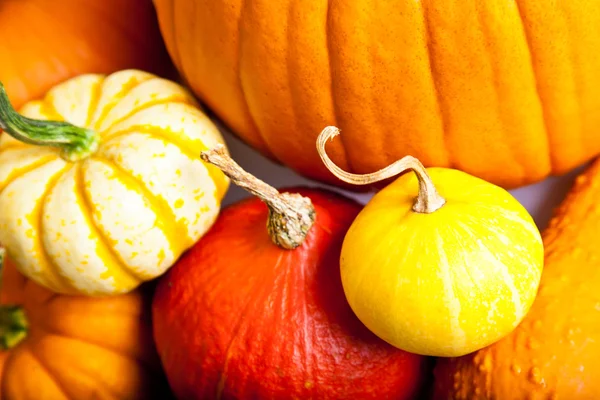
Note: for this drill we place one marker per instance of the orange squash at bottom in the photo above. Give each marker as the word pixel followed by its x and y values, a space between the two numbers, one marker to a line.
pixel 76 347
pixel 555 351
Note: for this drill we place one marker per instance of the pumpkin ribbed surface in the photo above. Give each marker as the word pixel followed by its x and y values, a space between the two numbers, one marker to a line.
pixel 125 214
pixel 504 90
pixel 78 347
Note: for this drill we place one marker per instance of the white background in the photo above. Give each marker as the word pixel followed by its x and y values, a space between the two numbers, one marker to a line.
pixel 540 199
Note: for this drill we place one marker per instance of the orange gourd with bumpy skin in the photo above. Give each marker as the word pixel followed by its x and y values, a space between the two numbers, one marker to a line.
pixel 60 347
pixel 554 353
pixel 43 43
pixel 507 91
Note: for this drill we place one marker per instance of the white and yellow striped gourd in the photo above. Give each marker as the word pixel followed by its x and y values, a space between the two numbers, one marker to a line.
pixel 97 211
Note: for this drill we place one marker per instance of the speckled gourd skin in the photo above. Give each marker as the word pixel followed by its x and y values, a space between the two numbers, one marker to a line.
pixel 126 213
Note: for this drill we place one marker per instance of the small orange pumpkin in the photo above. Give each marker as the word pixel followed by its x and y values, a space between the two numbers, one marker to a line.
pixel 61 347
pixel 43 43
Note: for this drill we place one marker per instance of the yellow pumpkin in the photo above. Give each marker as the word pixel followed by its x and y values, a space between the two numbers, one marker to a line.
pixel 114 195
pixel 446 272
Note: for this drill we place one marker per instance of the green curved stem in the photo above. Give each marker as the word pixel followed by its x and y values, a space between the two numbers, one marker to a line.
pixel 13 321
pixel 13 326
pixel 75 143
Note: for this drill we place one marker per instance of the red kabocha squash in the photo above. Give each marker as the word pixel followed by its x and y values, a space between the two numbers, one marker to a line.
pixel 508 91
pixel 255 312
pixel 43 42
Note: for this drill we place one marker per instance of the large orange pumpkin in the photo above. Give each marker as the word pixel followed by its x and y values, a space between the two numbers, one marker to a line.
pixel 505 90
pixel 46 42
pixel 60 347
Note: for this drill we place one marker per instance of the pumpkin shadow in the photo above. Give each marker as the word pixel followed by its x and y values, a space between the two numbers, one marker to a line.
pixel 542 198
pixel 158 382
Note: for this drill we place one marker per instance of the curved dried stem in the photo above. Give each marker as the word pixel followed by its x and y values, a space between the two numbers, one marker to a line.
pixel 290 215
pixel 428 199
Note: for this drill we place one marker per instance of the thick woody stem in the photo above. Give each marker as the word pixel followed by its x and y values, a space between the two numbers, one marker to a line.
pixel 290 215
pixel 428 199
pixel 75 143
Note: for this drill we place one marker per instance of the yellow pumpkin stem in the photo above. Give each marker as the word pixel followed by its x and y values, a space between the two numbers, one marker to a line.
pixel 290 215
pixel 13 322
pixel 428 199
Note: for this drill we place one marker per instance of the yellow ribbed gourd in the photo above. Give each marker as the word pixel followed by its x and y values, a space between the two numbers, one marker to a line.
pixel 113 197
pixel 439 262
